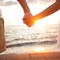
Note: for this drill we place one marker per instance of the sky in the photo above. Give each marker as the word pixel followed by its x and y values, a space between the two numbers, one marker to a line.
pixel 13 13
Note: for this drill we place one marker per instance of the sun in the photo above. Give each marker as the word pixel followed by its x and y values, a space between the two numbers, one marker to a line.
pixel 40 23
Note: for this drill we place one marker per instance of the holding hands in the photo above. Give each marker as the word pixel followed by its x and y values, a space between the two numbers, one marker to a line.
pixel 27 19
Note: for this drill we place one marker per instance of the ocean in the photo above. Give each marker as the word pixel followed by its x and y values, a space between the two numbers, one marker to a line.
pixel 22 39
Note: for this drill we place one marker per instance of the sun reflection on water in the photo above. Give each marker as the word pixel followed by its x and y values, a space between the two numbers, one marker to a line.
pixel 37 50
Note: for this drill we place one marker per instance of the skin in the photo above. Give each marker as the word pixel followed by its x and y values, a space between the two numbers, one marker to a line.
pixel 29 20
pixel 50 10
pixel 27 13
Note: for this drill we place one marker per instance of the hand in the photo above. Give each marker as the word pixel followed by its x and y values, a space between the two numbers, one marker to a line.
pixel 28 22
pixel 27 19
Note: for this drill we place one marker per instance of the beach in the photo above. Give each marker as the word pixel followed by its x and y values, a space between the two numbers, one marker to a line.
pixel 23 43
pixel 38 42
pixel 32 56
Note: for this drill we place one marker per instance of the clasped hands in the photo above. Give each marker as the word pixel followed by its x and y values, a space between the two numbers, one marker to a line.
pixel 28 19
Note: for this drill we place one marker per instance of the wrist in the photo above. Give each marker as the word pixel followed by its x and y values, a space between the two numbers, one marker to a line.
pixel 27 11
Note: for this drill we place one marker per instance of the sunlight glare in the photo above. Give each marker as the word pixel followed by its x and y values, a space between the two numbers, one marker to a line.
pixel 41 49
pixel 51 19
pixel 40 23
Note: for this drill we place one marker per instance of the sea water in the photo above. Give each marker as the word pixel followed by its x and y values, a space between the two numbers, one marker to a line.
pixel 22 39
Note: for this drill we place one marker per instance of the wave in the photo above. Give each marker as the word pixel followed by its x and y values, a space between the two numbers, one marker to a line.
pixel 31 43
pixel 17 36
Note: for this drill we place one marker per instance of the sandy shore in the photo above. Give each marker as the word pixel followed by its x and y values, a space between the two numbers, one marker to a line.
pixel 32 56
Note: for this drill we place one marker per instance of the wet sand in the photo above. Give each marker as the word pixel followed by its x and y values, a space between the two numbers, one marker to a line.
pixel 32 56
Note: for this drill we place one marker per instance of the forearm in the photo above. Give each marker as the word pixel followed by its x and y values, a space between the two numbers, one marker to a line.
pixel 24 5
pixel 53 8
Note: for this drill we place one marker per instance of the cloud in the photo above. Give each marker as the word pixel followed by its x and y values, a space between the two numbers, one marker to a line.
pixel 42 1
pixel 13 2
pixel 31 1
pixel 7 3
pixel 46 0
pixel 1 0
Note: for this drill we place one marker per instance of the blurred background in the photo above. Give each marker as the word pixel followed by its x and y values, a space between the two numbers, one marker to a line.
pixel 41 37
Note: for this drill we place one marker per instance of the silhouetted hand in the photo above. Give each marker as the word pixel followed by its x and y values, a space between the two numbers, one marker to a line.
pixel 28 22
pixel 27 19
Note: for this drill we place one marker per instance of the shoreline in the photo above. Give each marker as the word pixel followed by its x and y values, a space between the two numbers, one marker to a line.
pixel 32 56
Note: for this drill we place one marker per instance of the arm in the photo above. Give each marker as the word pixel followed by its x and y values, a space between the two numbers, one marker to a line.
pixel 27 13
pixel 24 5
pixel 53 8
